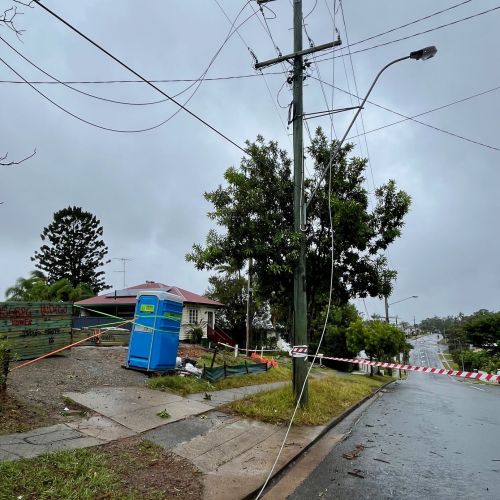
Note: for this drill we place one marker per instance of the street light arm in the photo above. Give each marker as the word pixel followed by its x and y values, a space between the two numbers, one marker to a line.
pixel 402 300
pixel 339 146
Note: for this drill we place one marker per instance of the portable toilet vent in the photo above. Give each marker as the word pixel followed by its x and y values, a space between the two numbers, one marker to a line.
pixel 155 333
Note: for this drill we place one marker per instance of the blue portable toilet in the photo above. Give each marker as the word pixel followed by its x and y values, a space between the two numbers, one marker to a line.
pixel 155 333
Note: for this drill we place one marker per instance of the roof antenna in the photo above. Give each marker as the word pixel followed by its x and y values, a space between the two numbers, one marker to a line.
pixel 124 262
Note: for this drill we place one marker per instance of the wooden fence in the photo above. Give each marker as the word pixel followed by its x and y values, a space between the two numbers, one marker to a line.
pixel 35 328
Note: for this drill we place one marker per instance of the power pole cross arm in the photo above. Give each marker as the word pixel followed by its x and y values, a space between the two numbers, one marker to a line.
pixel 287 57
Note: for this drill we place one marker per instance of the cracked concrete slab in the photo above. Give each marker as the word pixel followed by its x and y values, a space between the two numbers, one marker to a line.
pixel 45 440
pixel 146 418
pixel 101 428
pixel 137 408
pixel 185 430
pixel 111 401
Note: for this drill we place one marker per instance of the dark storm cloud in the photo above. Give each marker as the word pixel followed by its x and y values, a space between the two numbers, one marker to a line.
pixel 147 189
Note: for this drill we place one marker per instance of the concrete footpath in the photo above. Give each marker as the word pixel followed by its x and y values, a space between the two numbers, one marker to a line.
pixel 234 454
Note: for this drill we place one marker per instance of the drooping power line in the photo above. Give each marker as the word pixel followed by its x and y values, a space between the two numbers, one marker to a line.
pixel 138 75
pixel 406 117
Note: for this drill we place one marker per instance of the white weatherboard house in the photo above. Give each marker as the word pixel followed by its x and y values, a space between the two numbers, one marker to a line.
pixel 198 310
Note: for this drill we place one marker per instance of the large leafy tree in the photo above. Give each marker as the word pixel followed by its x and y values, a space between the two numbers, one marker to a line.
pixel 255 211
pixel 379 340
pixel 35 288
pixel 335 340
pixel 483 329
pixel 230 288
pixel 27 289
pixel 73 249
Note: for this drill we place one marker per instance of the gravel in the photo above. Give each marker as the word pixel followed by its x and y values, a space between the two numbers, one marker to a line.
pixel 42 383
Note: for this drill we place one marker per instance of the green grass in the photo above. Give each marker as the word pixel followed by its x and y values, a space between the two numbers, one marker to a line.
pixel 192 385
pixel 80 474
pixel 448 361
pixel 328 398
pixel 84 474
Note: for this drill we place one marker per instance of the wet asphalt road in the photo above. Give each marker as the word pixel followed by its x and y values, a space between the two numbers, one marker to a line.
pixel 427 437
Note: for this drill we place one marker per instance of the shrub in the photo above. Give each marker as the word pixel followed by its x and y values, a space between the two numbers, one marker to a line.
pixel 4 364
pixel 196 334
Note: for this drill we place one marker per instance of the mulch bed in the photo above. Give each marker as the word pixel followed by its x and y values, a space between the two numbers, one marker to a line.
pixel 16 416
pixel 146 469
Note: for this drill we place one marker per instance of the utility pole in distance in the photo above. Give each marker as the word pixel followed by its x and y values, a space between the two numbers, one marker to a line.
pixel 249 308
pixel 299 280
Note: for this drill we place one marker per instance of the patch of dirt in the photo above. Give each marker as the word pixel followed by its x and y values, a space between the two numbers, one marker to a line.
pixel 191 351
pixel 38 388
pixel 16 416
pixel 147 469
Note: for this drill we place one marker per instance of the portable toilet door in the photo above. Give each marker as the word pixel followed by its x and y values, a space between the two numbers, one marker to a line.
pixel 143 332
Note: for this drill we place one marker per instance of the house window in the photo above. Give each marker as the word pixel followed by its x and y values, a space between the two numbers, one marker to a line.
pixel 193 316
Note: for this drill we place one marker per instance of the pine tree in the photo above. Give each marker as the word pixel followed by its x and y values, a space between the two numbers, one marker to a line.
pixel 74 249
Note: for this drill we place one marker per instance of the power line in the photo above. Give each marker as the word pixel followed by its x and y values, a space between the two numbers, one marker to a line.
pixel 138 75
pixel 415 34
pixel 357 93
pixel 311 44
pixel 458 101
pixel 172 80
pixel 260 73
pixel 79 118
pixel 199 81
pixel 311 11
pixel 406 117
pixel 415 21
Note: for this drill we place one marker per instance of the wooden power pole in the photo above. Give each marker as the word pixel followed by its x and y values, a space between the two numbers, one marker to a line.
pixel 299 281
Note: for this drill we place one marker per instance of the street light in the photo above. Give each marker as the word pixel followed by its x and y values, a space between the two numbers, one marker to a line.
pixel 424 54
pixel 397 301
pixel 300 218
pixel 418 55
pixel 402 300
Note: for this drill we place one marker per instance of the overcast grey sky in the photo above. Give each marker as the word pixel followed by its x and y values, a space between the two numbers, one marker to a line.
pixel 146 188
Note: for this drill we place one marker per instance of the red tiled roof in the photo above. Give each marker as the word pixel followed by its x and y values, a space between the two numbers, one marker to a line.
pixel 123 298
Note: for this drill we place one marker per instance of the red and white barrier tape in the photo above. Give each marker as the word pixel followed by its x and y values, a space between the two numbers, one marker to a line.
pixel 422 369
pixel 299 351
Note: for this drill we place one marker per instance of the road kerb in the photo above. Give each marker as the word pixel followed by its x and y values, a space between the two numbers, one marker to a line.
pixel 328 427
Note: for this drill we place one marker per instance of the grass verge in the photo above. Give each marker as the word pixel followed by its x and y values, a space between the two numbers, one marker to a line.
pixel 328 398
pixel 448 361
pixel 126 469
pixel 192 385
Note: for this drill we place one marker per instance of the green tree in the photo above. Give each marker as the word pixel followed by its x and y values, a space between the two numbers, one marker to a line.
pixel 27 289
pixel 35 289
pixel 380 340
pixel 483 329
pixel 335 339
pixel 255 211
pixel 230 288
pixel 74 249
